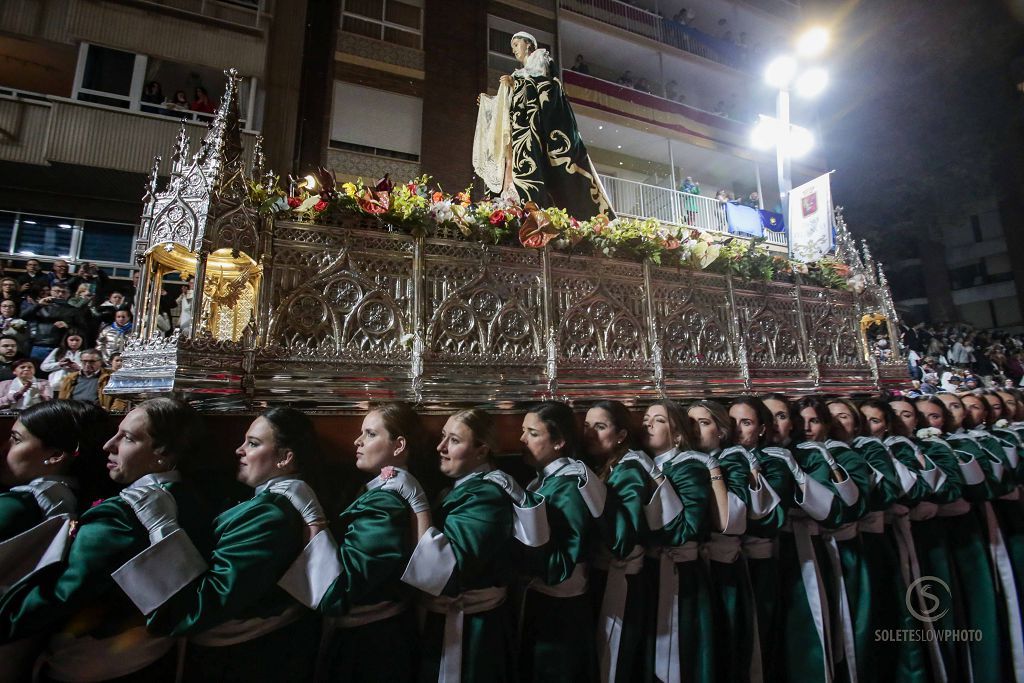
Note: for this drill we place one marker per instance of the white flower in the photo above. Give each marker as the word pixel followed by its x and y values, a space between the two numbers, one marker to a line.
pixel 929 433
pixel 1002 424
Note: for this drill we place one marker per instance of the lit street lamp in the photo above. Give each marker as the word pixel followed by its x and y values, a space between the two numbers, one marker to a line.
pixel 783 73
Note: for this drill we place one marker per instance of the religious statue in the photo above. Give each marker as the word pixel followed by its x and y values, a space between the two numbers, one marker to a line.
pixel 527 146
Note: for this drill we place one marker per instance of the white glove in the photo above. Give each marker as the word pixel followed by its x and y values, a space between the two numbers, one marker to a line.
pixel 510 485
pixel 752 460
pixel 302 498
pixel 645 461
pixel 710 461
pixel 53 498
pixel 814 445
pixel 405 485
pixel 785 456
pixel 155 508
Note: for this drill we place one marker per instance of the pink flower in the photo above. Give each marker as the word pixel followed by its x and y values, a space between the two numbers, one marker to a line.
pixel 387 473
pixel 294 202
pixel 320 205
pixel 96 502
pixel 497 217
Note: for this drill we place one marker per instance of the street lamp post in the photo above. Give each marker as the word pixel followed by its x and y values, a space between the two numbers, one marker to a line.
pixel 790 140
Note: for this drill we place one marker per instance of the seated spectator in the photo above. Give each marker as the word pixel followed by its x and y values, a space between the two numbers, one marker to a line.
pixel 48 320
pixel 60 274
pixel 88 383
pixel 65 358
pixel 10 289
pixel 83 297
pixel 581 66
pixel 112 337
pixel 32 275
pixel 8 354
pixel 13 326
pixel 626 79
pixel 642 85
pixel 202 102
pixel 930 383
pixel 24 390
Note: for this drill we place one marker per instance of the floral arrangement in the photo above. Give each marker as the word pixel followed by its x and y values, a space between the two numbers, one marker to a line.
pixel 1001 424
pixel 421 209
pixel 929 433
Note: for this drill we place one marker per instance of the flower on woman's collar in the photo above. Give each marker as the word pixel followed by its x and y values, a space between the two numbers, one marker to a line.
pixel 1002 424
pixel 929 433
pixel 387 473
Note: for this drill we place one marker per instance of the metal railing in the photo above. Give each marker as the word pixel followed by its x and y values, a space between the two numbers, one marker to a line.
pixel 647 24
pixel 640 200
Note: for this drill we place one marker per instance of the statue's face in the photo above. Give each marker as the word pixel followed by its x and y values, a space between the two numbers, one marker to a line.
pixel 520 49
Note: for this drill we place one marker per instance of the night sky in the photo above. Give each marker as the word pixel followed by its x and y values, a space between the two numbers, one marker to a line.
pixel 921 115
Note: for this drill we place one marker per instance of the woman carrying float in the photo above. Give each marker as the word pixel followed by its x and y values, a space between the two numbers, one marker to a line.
pixel 616 579
pixel 557 625
pixel 465 562
pixel 773 490
pixel 95 632
pixel 238 619
pixel 735 616
pixel 367 606
pixel 680 644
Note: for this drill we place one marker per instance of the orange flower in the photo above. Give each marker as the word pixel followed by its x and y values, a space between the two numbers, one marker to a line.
pixel 537 230
pixel 437 197
pixel 462 198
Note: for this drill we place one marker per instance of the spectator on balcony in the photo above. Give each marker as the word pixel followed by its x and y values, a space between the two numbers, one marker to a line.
pixel 720 108
pixel 112 337
pixel 13 326
pixel 33 275
pixel 690 187
pixel 672 92
pixel 626 79
pixel 24 391
pixel 753 200
pixel 202 102
pixel 179 103
pixel 153 94
pixel 64 359
pixel 580 65
pixel 642 85
pixel 48 320
pixel 8 354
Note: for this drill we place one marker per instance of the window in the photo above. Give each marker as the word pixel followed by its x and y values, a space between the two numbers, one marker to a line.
pixel 106 242
pixel 108 76
pixel 357 123
pixel 393 21
pixel 44 236
pixel 6 230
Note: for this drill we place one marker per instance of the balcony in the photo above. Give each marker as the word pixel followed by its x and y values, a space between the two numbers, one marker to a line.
pixel 640 200
pixel 641 22
pixel 44 130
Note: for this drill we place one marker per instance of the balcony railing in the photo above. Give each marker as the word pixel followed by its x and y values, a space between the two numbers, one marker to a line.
pixel 640 200
pixel 653 26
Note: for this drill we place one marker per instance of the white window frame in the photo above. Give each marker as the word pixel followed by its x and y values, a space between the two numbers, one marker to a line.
pixel 134 89
pixel 384 23
pixel 74 248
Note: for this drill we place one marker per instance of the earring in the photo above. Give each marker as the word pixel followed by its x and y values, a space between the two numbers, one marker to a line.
pixel 159 461
pixel 280 465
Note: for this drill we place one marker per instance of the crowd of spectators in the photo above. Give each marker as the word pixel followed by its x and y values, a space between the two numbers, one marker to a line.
pixel 156 102
pixel 958 357
pixel 62 332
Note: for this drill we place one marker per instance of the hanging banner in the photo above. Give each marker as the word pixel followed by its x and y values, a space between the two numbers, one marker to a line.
pixel 810 219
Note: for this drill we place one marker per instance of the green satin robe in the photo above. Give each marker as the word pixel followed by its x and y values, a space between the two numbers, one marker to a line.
pixel 764 573
pixel 801 657
pixel 623 527
pixel 374 545
pixel 557 634
pixel 692 483
pixel 254 543
pixel 78 596
pixel 19 512
pixel 731 593
pixel 477 519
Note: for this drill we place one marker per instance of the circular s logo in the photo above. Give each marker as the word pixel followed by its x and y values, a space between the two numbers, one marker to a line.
pixel 922 600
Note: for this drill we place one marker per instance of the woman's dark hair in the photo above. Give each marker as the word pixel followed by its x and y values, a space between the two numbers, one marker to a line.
pixel 560 422
pixel 184 96
pixel 400 420
pixel 893 425
pixel 991 396
pixel 764 416
pixel 36 289
pixel 174 427
pixel 947 417
pixel 969 421
pixel 678 422
pixel 293 430
pixel 721 417
pixel 621 419
pixel 817 403
pixel 858 419
pixel 77 428
pixel 201 90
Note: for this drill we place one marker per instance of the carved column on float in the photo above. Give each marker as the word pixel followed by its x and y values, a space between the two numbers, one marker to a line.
pixel 653 333
pixel 550 331
pixel 418 322
pixel 810 350
pixel 739 334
